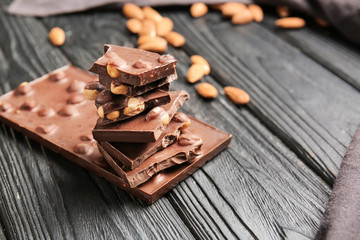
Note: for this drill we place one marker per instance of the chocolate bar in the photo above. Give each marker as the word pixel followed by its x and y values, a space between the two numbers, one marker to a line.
pixel 128 90
pixel 186 148
pixel 72 137
pixel 130 155
pixel 133 66
pixel 138 129
pixel 112 108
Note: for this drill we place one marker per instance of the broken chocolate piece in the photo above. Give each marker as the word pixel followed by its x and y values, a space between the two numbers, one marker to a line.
pixel 130 155
pixel 154 69
pixel 163 159
pixel 137 129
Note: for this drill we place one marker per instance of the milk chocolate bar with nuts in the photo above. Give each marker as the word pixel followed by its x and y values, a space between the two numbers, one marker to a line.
pixel 185 149
pixel 129 90
pixel 112 108
pixel 130 155
pixel 138 128
pixel 133 66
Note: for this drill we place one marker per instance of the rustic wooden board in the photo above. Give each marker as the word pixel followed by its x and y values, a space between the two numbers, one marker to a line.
pixel 260 188
pixel 308 107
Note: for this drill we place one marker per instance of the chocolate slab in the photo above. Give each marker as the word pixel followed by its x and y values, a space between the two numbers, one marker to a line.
pixel 110 103
pixel 129 90
pixel 137 129
pixel 177 153
pixel 133 66
pixel 67 135
pixel 130 155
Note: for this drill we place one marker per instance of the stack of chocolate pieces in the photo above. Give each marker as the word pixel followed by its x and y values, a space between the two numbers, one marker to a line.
pixel 139 130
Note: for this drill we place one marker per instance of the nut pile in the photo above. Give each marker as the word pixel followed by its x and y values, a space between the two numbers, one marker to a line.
pixel 154 30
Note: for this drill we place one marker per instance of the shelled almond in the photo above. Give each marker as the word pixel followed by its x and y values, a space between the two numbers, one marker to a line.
pixel 134 25
pixel 206 90
pixel 197 59
pixel 57 36
pixel 290 22
pixel 175 39
pixel 131 10
pixel 236 95
pixel 243 17
pixel 198 9
pixel 257 12
pixel 231 8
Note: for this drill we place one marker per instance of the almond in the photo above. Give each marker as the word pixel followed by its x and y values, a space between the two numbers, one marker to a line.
pixel 257 12
pixel 175 39
pixel 57 36
pixel 147 38
pixel 231 8
pixel 155 45
pixel 165 26
pixel 290 22
pixel 283 11
pixel 195 73
pixel 197 59
pixel 242 17
pixel 206 90
pixel 198 9
pixel 152 14
pixel 236 95
pixel 131 10
pixel 134 25
pixel 148 28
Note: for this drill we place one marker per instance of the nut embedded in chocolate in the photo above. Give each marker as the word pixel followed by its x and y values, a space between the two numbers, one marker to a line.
pixel 113 115
pixel 46 112
pixel 23 88
pixel 76 99
pixel 83 148
pixel 112 65
pixel 29 104
pixel 154 113
pixel 76 86
pixel 103 97
pixel 135 106
pixel 141 64
pixel 4 106
pixel 186 139
pixel 87 137
pixel 68 111
pixel 92 89
pixel 166 58
pixel 58 76
pixel 46 129
pixel 119 88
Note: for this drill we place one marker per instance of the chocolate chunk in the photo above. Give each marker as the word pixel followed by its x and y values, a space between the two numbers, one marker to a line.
pixel 163 159
pixel 131 155
pixel 152 69
pixel 69 133
pixel 138 129
pixel 128 90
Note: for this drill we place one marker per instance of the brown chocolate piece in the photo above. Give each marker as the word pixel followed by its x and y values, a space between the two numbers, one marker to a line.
pixel 127 107
pixel 137 129
pixel 133 66
pixel 128 90
pixel 175 154
pixel 65 138
pixel 130 155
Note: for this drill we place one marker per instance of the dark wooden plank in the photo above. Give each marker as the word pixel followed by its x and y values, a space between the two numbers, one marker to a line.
pixel 255 189
pixel 43 195
pixel 308 107
pixel 325 46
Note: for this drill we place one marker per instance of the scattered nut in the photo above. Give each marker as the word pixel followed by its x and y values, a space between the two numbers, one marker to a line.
pixel 134 25
pixel 76 99
pixel 147 38
pixel 231 8
pixel 195 73
pixel 198 9
pixel 57 36
pixel 83 148
pixel 46 129
pixel 257 12
pixel 156 45
pixel 148 28
pixel 135 106
pixel 165 26
pixel 46 112
pixel 131 10
pixel 76 86
pixel 113 115
pixel 152 14
pixel 154 113
pixel 242 17
pixel 29 104
pixel 236 95
pixel 197 59
pixel 290 22
pixel 283 11
pixel 100 112
pixel 119 89
pixel 206 90
pixel 23 88
pixel 175 39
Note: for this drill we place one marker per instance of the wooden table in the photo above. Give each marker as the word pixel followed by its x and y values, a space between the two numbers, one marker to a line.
pixel 272 182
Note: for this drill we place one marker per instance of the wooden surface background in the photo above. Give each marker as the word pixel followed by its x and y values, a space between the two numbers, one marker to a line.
pixel 274 180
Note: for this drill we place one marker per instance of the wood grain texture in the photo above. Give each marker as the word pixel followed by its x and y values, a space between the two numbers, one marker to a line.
pixel 307 106
pixel 261 187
